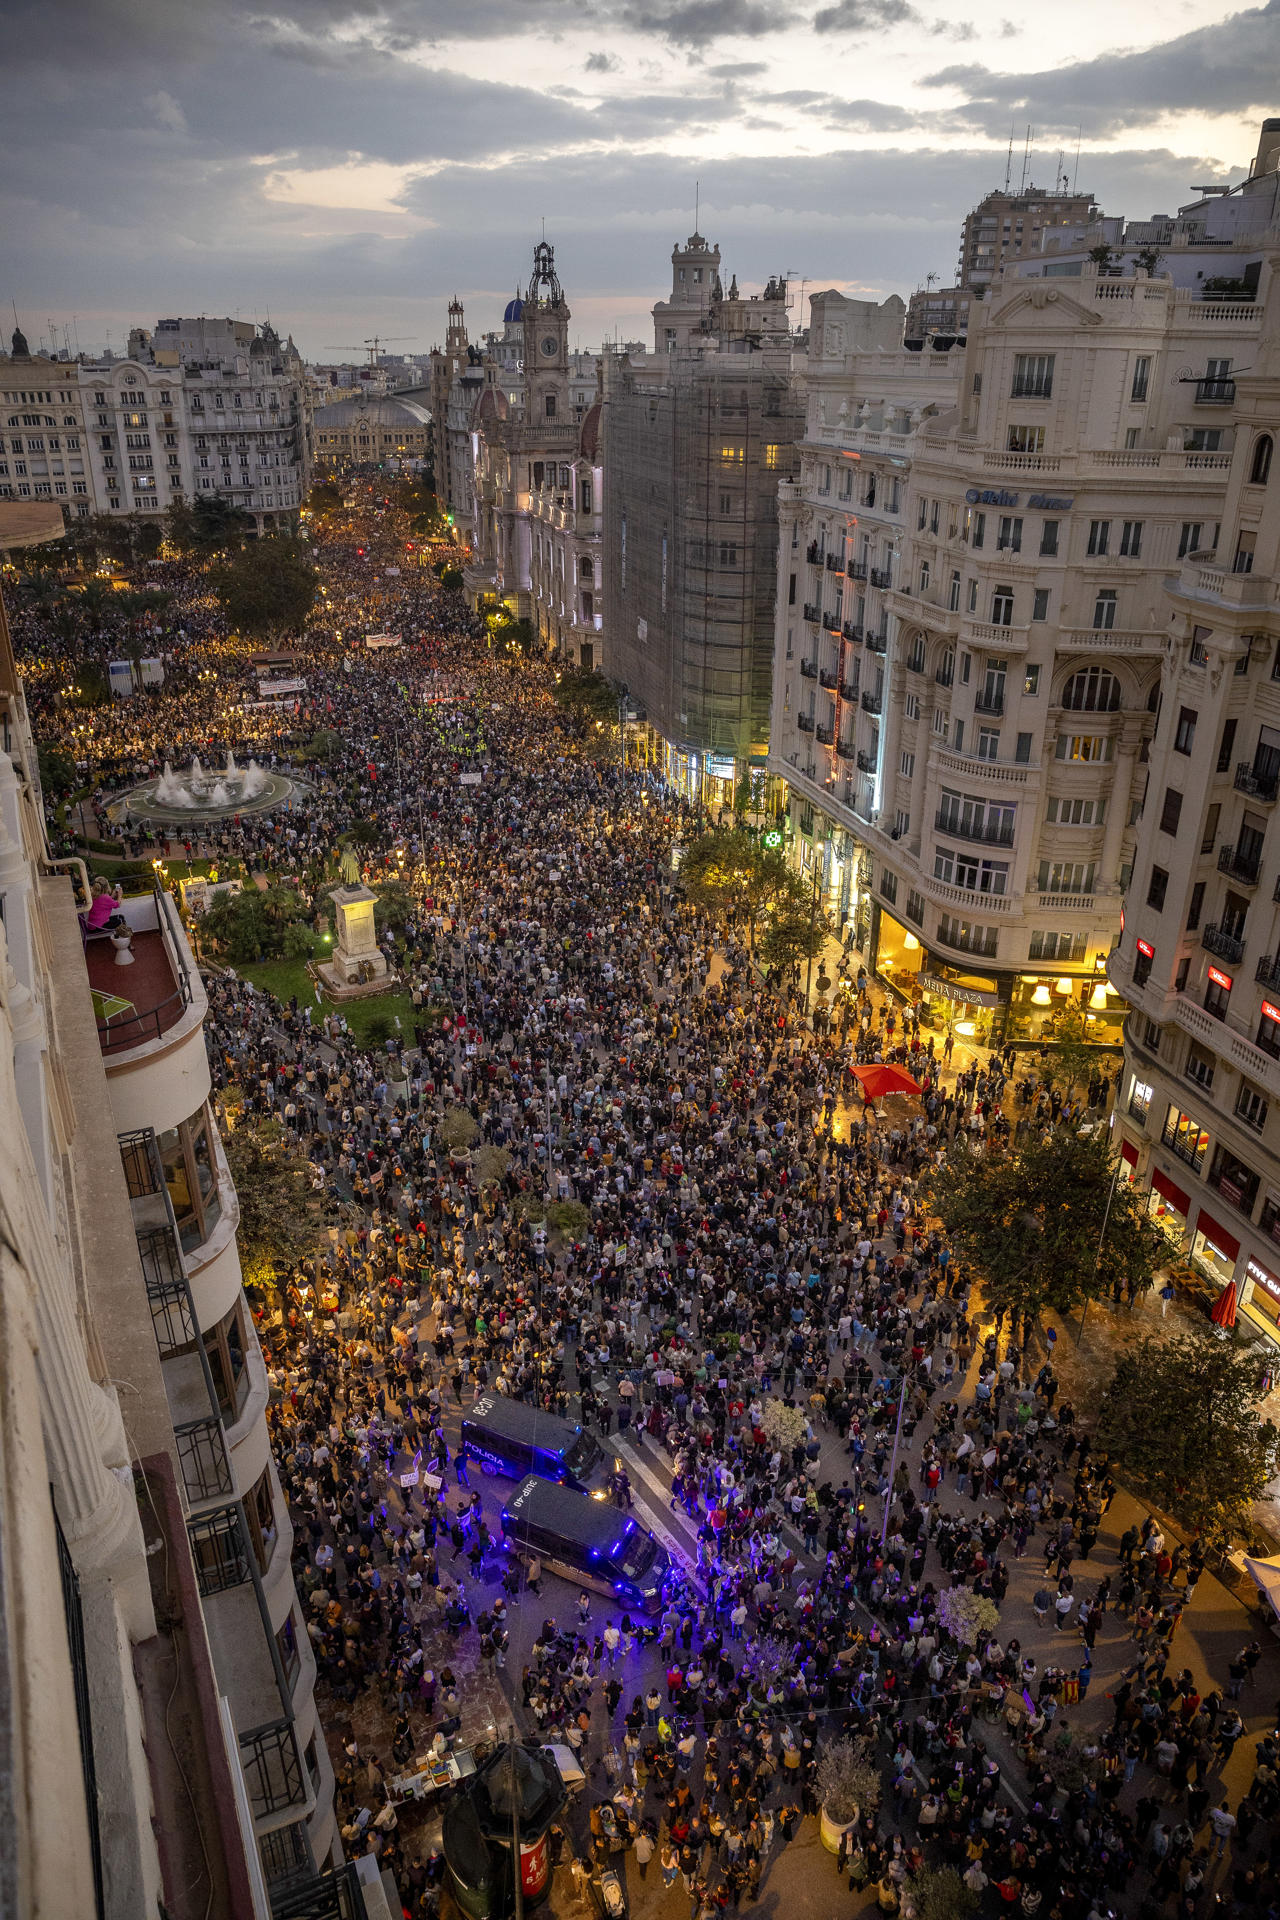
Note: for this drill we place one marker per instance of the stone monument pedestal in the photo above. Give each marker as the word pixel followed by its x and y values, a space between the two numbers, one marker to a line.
pixel 358 966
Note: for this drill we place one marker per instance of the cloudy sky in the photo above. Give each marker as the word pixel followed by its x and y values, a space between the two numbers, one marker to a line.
pixel 347 165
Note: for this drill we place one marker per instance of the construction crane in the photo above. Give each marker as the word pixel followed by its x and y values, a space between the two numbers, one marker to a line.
pixel 375 343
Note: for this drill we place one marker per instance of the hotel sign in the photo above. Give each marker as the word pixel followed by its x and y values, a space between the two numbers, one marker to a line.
pixel 1001 497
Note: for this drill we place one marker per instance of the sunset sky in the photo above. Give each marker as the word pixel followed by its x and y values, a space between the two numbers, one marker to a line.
pixel 348 167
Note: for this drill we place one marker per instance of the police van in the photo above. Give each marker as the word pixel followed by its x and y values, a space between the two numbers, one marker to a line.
pixel 588 1540
pixel 513 1438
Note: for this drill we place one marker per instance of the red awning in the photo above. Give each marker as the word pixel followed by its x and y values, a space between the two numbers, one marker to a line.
pixel 1174 1195
pixel 1223 1242
pixel 1128 1153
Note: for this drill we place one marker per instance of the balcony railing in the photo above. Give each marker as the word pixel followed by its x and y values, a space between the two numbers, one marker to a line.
pixel 824 735
pixel 1267 971
pixel 992 703
pixel 880 577
pixel 871 702
pixel 852 630
pixel 945 678
pixel 1215 393
pixel 849 689
pixel 831 621
pixel 1259 786
pixel 1225 945
pixel 810 612
pixel 805 722
pixel 866 762
pixel 857 569
pixel 814 554
pixel 828 678
pixel 958 829
pixel 834 564
pixel 1244 867
pixel 877 643
pixel 809 669
pixel 845 750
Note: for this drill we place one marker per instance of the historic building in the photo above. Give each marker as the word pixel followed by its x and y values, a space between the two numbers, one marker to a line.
pixel 386 431
pixel 1198 959
pixel 697 437
pixel 43 444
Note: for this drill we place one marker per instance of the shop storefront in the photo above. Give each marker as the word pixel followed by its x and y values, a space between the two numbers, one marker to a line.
pixel 1214 1250
pixel 1128 1172
pixel 898 955
pixel 1260 1291
pixel 1169 1205
pixel 965 1004
pixel 1039 1006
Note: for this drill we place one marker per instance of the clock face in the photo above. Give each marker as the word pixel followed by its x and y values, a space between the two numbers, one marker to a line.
pixel 549 346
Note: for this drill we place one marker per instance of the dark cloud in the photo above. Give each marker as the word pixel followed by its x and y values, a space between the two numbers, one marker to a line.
pixel 737 70
pixel 863 16
pixel 600 63
pixel 1229 67
pixel 696 23
pixel 855 116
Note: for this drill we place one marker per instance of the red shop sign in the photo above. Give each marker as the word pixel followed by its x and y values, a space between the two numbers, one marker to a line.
pixel 1270 1012
pixel 1220 979
pixel 1145 948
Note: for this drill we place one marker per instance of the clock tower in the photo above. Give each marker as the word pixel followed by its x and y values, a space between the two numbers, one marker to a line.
pixel 546 343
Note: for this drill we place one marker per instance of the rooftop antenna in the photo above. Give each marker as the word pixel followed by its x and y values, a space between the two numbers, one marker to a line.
pixel 697 201
pixel 1060 178
pixel 1026 155
pixel 1076 172
pixel 1008 165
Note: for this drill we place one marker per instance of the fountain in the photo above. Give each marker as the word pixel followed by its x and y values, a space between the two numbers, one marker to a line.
pixel 201 792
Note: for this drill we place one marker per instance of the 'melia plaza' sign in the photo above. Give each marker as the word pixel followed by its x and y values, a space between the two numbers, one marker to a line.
pixel 1001 497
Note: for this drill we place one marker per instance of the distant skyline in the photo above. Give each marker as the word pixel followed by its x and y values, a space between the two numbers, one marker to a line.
pixel 348 165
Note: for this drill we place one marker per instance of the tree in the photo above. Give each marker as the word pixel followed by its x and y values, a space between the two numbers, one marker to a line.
pixel 325 744
pixel 798 929
pixel 253 925
pixel 1102 256
pixel 1148 258
pixel 847 1779
pixel 395 905
pixel 785 1426
pixel 280 1214
pixel 457 1129
pixel 967 1616
pixel 730 873
pixel 208 525
pixel 325 497
pixel 57 770
pixel 588 695
pixel 451 579
pixel 268 588
pixel 1071 1059
pixel 1031 1221
pixel 1181 1419
pixel 937 1893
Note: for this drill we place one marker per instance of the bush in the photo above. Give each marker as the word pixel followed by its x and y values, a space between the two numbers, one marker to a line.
pixel 489 1164
pixel 569 1218
pixel 967 1616
pixel 298 941
pixel 378 1029
pixel 784 1425
pixel 457 1130
pixel 451 579
pixel 108 847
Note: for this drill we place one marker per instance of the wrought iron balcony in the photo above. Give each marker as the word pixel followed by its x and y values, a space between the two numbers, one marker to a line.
pixel 871 702
pixel 814 554
pixel 831 621
pixel 857 569
pixel 1267 971
pixel 866 762
pixel 992 703
pixel 809 669
pixel 1215 393
pixel 945 677
pixel 805 722
pixel 880 577
pixel 1243 867
pixel 845 750
pixel 849 689
pixel 825 736
pixel 810 612
pixel 852 630
pixel 834 563
pixel 878 642
pixel 1259 786
pixel 960 829
pixel 828 678
pixel 1225 945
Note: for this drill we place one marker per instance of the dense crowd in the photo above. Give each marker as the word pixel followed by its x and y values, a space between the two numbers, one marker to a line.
pixel 611 1174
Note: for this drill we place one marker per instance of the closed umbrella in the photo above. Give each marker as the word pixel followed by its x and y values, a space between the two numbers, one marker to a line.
pixel 878 1079
pixel 1223 1310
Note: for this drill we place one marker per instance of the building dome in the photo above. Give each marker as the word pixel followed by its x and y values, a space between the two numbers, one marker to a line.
pixel 515 311
pixel 372 410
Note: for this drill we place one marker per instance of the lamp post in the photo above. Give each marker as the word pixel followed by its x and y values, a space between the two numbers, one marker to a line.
pixel 893 1464
pixel 813 921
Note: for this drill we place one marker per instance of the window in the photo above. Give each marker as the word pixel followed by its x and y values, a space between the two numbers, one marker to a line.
pixel 1181 971
pixel 1065 876
pixel 1025 440
pixel 1009 537
pixel 1242 561
pixel 1195 907
pixel 1237 1183
pixel 1157 888
pixel 1185 1137
pixel 1002 607
pixel 1049 537
pixel 911 706
pixel 733 457
pixel 889 887
pixel 187 1154
pixel 953 597
pixel 1260 465
pixel 1227 744
pixel 915 658
pixel 915 907
pixel 966 937
pixel 1032 376
pixel 907 765
pixel 901 823
pixel 1031 680
pixel 1185 731
pixel 225 1347
pixel 1022 749
pixel 1139 1098
pixel 1217 992
pixel 1201 1066
pixel 1104 611
pixel 1251 1106
pixel 1141 377
pixel 1099 536
pixel 1151 1037
pixel 1171 810
pixel 1093 690
pixel 260 1512
pixel 1189 538
pixel 1083 748
pixel 1144 954
pixel 1049 944
pixel 988 743
pixel 1131 539
pixel 1202 439
pixel 728 553
pixel 977 528
pixel 1268 1034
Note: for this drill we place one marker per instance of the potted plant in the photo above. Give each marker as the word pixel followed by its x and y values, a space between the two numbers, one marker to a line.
pixel 848 1780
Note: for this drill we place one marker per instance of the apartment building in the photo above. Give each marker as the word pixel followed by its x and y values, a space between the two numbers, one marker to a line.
pixel 1005 227
pixel 1084 455
pixel 1198 1120
pixel 698 436
pixel 119 1793
pixel 566 573
pixel 43 443
pixel 204 406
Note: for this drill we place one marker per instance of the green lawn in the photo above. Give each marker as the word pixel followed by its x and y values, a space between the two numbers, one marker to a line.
pixel 285 978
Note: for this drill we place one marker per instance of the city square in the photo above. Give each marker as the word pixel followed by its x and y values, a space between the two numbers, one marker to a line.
pixel 639 1156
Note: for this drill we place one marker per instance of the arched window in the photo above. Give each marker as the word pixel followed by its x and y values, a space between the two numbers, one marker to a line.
pixel 586 569
pixel 1093 690
pixel 1260 470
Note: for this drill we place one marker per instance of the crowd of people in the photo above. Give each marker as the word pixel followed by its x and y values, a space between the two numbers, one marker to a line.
pixel 611 1174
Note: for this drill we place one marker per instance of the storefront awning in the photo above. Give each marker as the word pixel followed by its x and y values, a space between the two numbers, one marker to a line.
pixel 1173 1194
pixel 1128 1153
pixel 1223 1242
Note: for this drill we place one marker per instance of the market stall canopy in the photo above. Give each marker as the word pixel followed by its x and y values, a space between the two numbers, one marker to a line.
pixel 1265 1575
